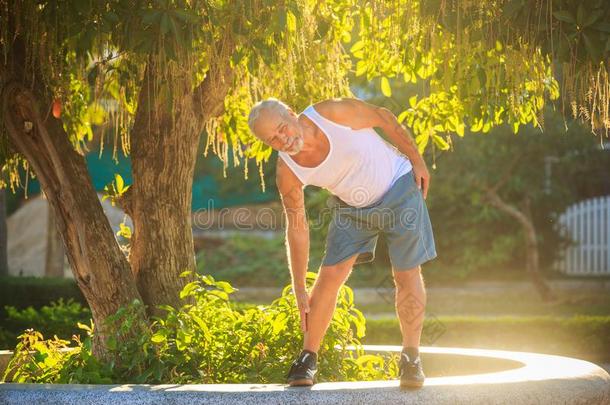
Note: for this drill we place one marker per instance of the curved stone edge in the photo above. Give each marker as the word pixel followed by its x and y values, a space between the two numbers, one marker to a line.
pixel 543 379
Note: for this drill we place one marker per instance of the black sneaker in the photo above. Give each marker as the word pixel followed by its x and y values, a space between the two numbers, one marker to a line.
pixel 303 369
pixel 411 372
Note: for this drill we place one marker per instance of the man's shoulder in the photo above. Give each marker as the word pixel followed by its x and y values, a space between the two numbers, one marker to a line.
pixel 332 107
pixel 345 111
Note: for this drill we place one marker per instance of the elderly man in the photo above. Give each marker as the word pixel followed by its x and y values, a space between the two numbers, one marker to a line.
pixel 376 189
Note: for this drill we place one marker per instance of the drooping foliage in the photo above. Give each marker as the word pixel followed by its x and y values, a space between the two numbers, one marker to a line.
pixel 482 64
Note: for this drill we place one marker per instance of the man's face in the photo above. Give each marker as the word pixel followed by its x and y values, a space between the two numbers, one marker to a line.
pixel 281 132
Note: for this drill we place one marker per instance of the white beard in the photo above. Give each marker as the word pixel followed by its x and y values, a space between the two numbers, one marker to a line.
pixel 296 147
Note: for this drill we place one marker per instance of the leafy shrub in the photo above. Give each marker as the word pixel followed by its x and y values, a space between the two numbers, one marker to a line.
pixel 53 361
pixel 209 341
pixel 58 318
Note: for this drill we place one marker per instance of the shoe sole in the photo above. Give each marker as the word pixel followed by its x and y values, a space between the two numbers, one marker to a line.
pixel 301 382
pixel 411 384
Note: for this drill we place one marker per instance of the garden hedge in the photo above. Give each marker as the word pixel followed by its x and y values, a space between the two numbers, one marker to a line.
pixel 22 292
pixel 581 336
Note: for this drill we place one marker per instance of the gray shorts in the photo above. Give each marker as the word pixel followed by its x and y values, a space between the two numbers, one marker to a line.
pixel 400 215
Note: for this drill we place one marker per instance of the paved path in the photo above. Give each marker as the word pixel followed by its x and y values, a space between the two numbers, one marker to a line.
pixel 529 379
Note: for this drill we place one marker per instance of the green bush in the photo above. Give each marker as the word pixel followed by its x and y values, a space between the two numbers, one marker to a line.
pixel 23 292
pixel 581 336
pixel 58 318
pixel 208 341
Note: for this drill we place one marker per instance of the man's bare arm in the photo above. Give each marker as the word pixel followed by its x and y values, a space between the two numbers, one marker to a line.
pixel 358 114
pixel 297 228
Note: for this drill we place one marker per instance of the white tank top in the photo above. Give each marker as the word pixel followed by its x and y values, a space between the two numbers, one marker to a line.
pixel 360 166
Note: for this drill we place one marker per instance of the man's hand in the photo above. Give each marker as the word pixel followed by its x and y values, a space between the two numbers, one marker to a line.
pixel 302 298
pixel 422 176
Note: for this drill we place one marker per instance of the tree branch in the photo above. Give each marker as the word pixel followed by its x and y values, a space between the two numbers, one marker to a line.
pixel 209 96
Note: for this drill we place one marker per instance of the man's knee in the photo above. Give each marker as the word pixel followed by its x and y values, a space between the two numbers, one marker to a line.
pixel 336 274
pixel 406 278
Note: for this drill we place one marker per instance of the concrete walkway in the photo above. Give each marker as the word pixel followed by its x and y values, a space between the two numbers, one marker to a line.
pixel 530 379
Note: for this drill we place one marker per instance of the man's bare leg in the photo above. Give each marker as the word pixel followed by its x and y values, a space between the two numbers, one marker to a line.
pixel 322 301
pixel 410 305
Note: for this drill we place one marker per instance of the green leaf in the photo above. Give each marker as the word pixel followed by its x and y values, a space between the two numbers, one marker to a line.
pixel 189 289
pixel 440 142
pixel 385 87
pixel 291 22
pixel 422 142
pixel 413 101
pixel 226 287
pixel 593 49
pixel 84 327
pixel 402 116
pixel 124 231
pixel 357 46
pixel 459 129
pixel 361 67
pixel 350 296
pixel 279 323
pixel 564 16
pixel 220 294
pixel 592 17
pixel 202 325
pixel 119 183
pixel 478 124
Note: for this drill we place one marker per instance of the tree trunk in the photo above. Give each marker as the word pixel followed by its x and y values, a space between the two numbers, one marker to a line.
pixel 3 236
pixel 532 257
pixel 54 260
pixel 163 162
pixel 100 268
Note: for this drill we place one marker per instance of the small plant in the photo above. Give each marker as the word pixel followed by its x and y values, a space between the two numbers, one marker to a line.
pixel 54 361
pixel 115 189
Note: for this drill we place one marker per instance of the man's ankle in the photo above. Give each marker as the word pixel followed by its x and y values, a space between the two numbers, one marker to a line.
pixel 412 352
pixel 311 353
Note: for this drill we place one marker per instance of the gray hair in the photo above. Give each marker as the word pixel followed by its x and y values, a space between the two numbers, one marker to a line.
pixel 270 104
